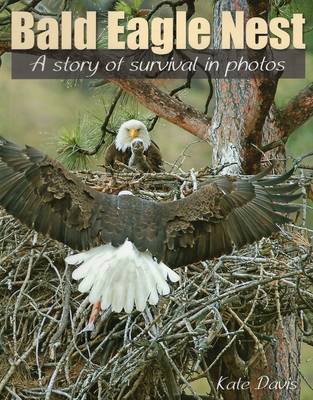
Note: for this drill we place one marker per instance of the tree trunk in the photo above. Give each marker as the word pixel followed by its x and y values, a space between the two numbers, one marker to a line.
pixel 241 105
pixel 244 120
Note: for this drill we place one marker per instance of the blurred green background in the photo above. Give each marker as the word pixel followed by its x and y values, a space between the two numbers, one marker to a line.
pixel 37 112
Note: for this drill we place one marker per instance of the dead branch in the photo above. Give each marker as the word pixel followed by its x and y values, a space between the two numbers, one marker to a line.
pixel 298 110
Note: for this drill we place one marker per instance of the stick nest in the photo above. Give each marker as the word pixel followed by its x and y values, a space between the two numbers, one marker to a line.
pixel 218 308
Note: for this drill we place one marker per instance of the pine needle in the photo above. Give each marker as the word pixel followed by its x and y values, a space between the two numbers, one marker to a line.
pixel 84 136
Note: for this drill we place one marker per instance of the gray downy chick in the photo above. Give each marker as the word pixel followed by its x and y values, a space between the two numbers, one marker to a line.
pixel 138 159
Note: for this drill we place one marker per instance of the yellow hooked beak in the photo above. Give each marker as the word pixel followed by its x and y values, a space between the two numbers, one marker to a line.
pixel 134 133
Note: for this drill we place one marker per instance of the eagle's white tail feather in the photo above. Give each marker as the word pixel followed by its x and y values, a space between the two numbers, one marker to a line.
pixel 80 257
pixel 152 290
pixel 160 279
pixel 89 272
pixel 142 289
pixel 89 261
pixel 169 273
pixel 121 277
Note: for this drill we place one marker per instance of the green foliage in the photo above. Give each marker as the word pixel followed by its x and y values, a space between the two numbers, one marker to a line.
pixel 87 133
pixel 102 39
pixel 84 136
pixel 286 9
pixel 129 7
pixel 131 109
pixel 5 33
pixel 127 108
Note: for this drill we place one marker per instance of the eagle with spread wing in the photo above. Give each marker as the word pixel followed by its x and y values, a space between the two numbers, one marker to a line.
pixel 127 244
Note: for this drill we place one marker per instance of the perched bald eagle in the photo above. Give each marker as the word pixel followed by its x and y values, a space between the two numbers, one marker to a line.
pixel 120 149
pixel 130 244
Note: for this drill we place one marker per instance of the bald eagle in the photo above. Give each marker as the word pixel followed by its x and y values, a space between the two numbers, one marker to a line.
pixel 120 149
pixel 129 245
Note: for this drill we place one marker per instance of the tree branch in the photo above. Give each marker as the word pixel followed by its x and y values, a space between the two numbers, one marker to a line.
pixel 280 124
pixel 163 105
pixel 298 110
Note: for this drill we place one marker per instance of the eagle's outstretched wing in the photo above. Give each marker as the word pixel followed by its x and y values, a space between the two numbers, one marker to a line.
pixel 42 194
pixel 229 211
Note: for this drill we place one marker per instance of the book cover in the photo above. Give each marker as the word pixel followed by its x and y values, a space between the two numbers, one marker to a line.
pixel 156 192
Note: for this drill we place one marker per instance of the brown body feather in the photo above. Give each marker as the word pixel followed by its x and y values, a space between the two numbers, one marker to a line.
pixel 226 211
pixel 152 154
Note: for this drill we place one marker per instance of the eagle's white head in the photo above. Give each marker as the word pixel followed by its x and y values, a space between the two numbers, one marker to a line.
pixel 129 131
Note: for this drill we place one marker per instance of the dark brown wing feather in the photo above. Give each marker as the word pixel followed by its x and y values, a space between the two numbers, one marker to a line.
pixel 112 155
pixel 225 212
pixel 229 211
pixel 154 158
pixel 42 194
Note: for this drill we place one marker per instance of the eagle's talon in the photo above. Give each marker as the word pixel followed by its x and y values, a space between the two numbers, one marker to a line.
pixel 96 308
pixel 90 327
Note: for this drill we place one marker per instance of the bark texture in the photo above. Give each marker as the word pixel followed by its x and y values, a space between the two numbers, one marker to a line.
pixel 241 105
pixel 280 124
pixel 280 380
pixel 274 139
pixel 298 110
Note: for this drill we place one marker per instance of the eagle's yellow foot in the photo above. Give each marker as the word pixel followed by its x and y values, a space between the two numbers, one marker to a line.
pixel 96 308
